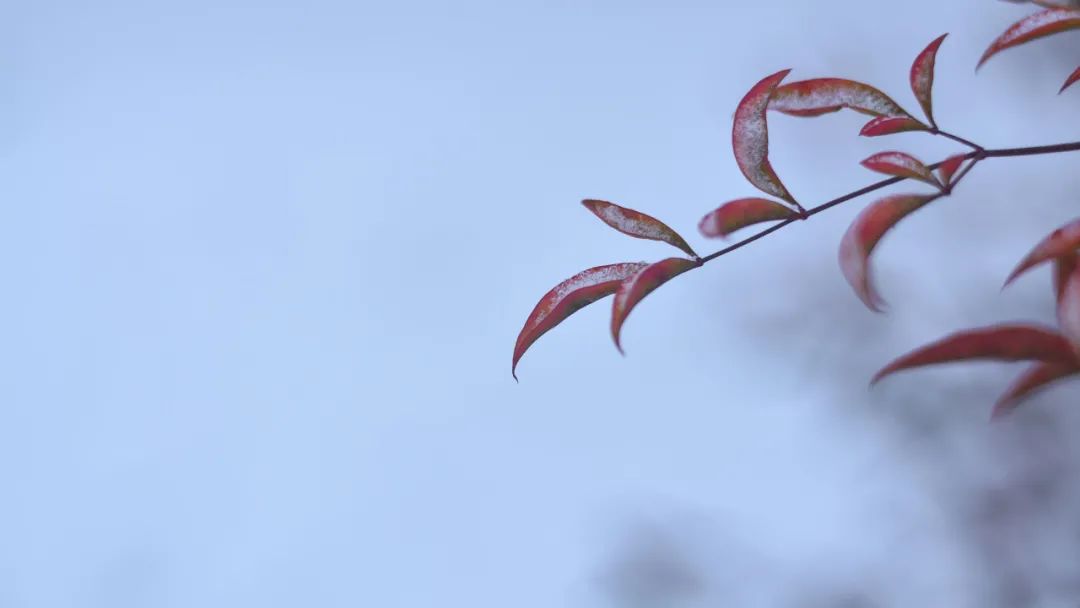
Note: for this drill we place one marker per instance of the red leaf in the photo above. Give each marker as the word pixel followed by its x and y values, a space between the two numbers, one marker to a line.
pixel 1063 268
pixel 1067 286
pixel 568 297
pixel 948 168
pixel 901 165
pixel 1070 80
pixel 740 213
pixel 750 138
pixel 1031 380
pixel 1032 27
pixel 1060 242
pixel 922 77
pixel 863 235
pixel 636 224
pixel 635 288
pixel 823 95
pixel 887 125
pixel 997 342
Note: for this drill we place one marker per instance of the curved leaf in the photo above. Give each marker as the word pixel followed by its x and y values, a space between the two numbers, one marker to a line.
pixel 887 125
pixel 1062 241
pixel 740 213
pixel 1070 81
pixel 636 224
pixel 1032 27
pixel 750 138
pixel 997 342
pixel 1035 377
pixel 901 165
pixel 635 288
pixel 824 95
pixel 568 297
pixel 948 168
pixel 863 235
pixel 922 77
pixel 1067 286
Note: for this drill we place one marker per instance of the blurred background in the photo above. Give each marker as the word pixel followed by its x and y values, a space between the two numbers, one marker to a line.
pixel 265 264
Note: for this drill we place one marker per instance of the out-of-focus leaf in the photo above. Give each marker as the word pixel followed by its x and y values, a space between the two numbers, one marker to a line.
pixel 948 168
pixel 922 77
pixel 863 235
pixel 634 288
pixel 901 164
pixel 636 224
pixel 1070 80
pixel 997 342
pixel 1060 242
pixel 1032 27
pixel 1035 377
pixel 1067 284
pixel 824 95
pixel 750 138
pixel 568 297
pixel 1063 268
pixel 887 125
pixel 740 213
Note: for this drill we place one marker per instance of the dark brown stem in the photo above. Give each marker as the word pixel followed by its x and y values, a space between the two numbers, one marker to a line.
pixel 957 138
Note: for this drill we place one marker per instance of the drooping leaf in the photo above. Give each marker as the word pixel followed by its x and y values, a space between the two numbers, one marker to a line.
pixel 568 297
pixel 887 125
pixel 1032 27
pixel 740 213
pixel 1062 241
pixel 750 138
pixel 636 224
pixel 997 342
pixel 1070 81
pixel 863 235
pixel 1067 283
pixel 901 164
pixel 922 77
pixel 634 288
pixel 1035 377
pixel 948 168
pixel 1063 268
pixel 824 95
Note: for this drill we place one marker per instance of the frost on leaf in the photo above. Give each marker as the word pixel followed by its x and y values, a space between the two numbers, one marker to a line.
pixel 887 125
pixel 1070 80
pixel 901 165
pixel 997 342
pixel 636 224
pixel 568 297
pixel 824 95
pixel 922 77
pixel 740 213
pixel 750 138
pixel 635 288
pixel 863 235
pixel 1034 378
pixel 1032 27
pixel 948 168
pixel 1063 241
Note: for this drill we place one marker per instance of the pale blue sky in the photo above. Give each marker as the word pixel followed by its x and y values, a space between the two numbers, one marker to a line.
pixel 265 263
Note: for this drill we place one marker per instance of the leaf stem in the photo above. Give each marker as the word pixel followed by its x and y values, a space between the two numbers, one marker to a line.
pixel 956 138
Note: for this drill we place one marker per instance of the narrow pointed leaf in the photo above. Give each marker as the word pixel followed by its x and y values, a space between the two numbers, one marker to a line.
pixel 636 224
pixel 568 297
pixel 887 125
pixel 901 165
pixel 997 342
pixel 635 288
pixel 1032 27
pixel 922 77
pixel 1070 81
pixel 1063 268
pixel 863 235
pixel 1060 242
pixel 750 138
pixel 948 168
pixel 1068 298
pixel 1034 378
pixel 740 213
pixel 824 95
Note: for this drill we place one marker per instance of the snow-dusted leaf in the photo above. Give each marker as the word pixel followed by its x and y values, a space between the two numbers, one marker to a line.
pixel 636 224
pixel 633 289
pixel 824 95
pixel 1032 27
pixel 1070 80
pixel 1060 242
pixel 948 168
pixel 750 138
pixel 740 213
pixel 887 125
pixel 1035 377
pixel 901 164
pixel 863 235
pixel 997 342
pixel 568 297
pixel 922 77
